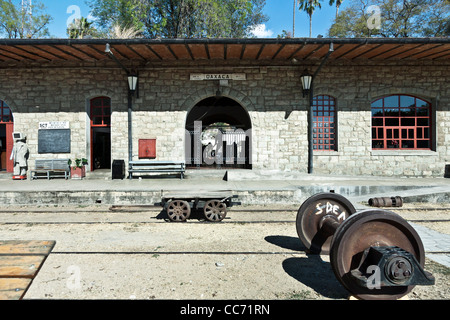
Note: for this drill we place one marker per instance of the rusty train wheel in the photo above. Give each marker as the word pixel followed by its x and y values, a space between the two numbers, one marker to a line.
pixel 372 228
pixel 215 210
pixel 311 215
pixel 178 210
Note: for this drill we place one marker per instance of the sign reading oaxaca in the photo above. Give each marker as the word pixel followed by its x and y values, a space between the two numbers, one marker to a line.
pixel 218 76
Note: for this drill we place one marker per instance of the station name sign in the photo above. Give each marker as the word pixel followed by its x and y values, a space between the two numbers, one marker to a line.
pixel 218 76
pixel 54 125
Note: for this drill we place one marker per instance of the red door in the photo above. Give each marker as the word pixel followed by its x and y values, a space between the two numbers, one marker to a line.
pixel 9 146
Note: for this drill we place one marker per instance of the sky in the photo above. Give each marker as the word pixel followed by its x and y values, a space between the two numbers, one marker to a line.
pixel 280 13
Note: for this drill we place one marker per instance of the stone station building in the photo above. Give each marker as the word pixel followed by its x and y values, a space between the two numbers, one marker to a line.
pixel 381 106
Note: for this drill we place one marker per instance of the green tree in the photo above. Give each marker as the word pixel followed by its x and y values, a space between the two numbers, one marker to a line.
pixel 181 18
pixel 23 22
pixel 407 18
pixel 309 6
pixel 435 19
pixel 285 35
pixel 123 13
pixel 352 22
pixel 81 28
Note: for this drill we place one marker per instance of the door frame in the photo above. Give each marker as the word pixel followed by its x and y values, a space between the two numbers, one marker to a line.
pixel 104 121
pixel 9 129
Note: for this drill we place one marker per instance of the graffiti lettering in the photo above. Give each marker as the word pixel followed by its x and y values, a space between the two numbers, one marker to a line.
pixel 331 209
pixel 319 209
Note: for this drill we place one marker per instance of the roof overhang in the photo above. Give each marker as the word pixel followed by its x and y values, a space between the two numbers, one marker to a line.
pixel 279 50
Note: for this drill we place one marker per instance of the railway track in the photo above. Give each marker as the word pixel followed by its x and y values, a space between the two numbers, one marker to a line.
pixel 157 215
pixel 107 242
pixel 199 221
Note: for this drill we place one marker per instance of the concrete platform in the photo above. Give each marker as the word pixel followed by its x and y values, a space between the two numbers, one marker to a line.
pixel 251 188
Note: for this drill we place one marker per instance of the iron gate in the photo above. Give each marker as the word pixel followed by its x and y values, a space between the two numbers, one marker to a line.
pixel 228 149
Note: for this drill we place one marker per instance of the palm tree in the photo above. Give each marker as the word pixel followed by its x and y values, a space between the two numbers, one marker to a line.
pixel 80 28
pixel 338 4
pixel 293 24
pixel 309 6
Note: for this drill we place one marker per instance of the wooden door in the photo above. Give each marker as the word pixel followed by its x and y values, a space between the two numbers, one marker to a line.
pixel 9 146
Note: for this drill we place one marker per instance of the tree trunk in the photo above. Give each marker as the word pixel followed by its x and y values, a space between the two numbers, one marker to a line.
pixel 293 22
pixel 310 25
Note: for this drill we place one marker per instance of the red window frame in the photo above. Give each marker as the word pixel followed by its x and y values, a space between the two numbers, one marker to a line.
pixel 101 112
pixel 5 113
pixel 324 123
pixel 401 122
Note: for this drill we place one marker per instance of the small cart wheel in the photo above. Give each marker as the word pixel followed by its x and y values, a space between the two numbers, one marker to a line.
pixel 178 210
pixel 215 210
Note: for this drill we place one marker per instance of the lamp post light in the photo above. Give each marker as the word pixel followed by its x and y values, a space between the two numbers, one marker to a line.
pixel 132 80
pixel 308 90
pixel 132 87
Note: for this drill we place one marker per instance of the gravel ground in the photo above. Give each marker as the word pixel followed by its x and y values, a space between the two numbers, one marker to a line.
pixel 253 254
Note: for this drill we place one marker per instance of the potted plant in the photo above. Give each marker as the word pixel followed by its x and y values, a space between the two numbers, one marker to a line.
pixel 78 170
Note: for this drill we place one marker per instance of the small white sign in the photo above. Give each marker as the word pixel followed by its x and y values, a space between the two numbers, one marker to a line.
pixel 218 76
pixel 53 125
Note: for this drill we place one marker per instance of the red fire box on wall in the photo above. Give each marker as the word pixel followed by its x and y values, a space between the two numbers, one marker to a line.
pixel 147 148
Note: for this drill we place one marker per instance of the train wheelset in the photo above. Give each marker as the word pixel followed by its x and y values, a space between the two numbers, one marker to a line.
pixel 375 254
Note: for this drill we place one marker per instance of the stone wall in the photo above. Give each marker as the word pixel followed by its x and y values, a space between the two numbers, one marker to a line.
pixel 271 95
pixel 366 83
pixel 63 94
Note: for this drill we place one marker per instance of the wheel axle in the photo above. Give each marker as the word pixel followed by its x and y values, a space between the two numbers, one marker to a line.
pixel 390 267
pixel 375 253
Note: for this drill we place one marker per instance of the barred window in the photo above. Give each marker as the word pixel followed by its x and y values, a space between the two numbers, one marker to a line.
pixel 401 122
pixel 324 125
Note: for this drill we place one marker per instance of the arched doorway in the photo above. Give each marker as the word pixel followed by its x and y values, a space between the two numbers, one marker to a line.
pixel 218 135
pixel 6 137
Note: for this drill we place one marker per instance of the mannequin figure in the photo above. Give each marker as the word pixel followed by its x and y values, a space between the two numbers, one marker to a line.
pixel 20 154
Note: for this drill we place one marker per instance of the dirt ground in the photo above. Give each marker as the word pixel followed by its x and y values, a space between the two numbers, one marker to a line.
pixel 254 253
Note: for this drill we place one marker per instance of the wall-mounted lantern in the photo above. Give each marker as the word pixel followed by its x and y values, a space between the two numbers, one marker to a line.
pixel 306 79
pixel 132 82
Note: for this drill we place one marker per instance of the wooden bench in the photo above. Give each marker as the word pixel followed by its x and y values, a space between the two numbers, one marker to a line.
pixel 20 262
pixel 156 166
pixel 51 168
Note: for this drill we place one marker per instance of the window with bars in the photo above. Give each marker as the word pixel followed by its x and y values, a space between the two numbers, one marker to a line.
pixel 401 122
pixel 101 112
pixel 324 125
pixel 5 113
